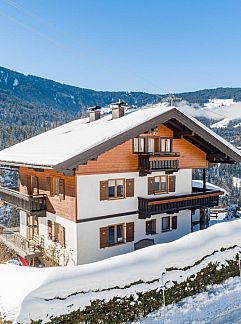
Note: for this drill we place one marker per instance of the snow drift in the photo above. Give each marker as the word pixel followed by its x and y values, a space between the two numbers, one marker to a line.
pixel 41 293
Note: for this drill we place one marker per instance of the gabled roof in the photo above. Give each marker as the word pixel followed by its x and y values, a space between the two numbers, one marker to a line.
pixel 72 144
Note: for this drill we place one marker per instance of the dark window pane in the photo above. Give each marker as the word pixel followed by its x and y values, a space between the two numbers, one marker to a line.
pixel 119 233
pixel 111 188
pixel 120 188
pixel 157 184
pixel 111 235
pixel 165 223
pixel 152 226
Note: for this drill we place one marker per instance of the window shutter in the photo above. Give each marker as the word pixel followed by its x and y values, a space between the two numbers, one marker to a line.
pixel 56 232
pixel 129 187
pixel 104 237
pixel 130 232
pixel 148 227
pixel 62 188
pixel 172 183
pixel 151 185
pixel 61 235
pixel 29 186
pixel 174 222
pixel 35 185
pixel 104 194
pixel 50 186
pixel 50 230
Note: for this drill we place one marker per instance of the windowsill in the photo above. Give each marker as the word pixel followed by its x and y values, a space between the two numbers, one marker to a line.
pixel 118 198
pixel 161 193
pixel 115 244
pixel 169 230
pixel 154 233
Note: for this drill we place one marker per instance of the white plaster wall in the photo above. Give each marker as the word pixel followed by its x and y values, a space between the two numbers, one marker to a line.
pixel 88 192
pixel 70 235
pixel 89 235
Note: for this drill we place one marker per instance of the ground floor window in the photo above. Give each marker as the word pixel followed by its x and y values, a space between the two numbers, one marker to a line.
pixel 115 234
pixel 169 223
pixel 151 227
pixel 56 232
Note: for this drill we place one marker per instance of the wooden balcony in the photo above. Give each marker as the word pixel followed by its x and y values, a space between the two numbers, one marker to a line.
pixel 23 247
pixel 172 204
pixel 151 163
pixel 35 204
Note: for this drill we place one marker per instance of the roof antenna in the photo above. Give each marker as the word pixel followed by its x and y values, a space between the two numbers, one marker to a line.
pixel 171 99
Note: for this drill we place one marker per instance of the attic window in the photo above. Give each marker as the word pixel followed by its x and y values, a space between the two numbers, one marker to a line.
pixel 152 145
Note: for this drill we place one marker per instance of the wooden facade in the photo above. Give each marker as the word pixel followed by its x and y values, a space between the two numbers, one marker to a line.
pixel 122 159
pixel 59 205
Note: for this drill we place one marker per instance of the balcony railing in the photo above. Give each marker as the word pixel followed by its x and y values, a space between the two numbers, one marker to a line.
pixel 23 247
pixel 34 204
pixel 172 204
pixel 151 163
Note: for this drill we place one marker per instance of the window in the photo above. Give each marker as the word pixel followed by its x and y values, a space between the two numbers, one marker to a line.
pixel 151 227
pixel 165 145
pixel 56 232
pixel 152 144
pixel 115 234
pixel 160 185
pixel 139 145
pixel 116 188
pixel 169 223
pixel 57 187
pixel 33 185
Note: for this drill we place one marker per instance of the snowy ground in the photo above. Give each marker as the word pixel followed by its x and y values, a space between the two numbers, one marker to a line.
pixel 221 304
pixel 27 292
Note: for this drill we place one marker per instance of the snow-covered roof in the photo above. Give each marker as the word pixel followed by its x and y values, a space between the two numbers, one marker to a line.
pixel 209 186
pixel 78 141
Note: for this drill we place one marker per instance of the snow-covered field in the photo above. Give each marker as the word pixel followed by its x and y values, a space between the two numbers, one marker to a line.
pixel 221 304
pixel 40 293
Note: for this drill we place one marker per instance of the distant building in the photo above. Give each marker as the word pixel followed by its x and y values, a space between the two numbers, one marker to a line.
pixel 100 187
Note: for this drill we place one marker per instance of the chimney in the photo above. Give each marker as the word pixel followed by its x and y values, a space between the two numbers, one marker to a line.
pixel 94 113
pixel 118 109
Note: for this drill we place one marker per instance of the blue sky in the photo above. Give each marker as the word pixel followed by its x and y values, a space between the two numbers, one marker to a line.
pixel 158 46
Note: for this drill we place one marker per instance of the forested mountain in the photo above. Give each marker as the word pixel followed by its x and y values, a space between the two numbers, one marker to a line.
pixel 63 97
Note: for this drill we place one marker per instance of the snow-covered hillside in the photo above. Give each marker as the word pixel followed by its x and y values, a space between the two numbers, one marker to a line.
pixel 221 304
pixel 222 111
pixel 41 293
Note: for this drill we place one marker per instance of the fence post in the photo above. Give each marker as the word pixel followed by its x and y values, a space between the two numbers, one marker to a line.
pixel 239 265
pixel 163 289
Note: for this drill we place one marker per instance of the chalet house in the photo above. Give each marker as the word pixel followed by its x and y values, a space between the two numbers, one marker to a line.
pixel 98 187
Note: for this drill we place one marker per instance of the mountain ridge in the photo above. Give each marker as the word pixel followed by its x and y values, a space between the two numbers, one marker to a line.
pixel 73 100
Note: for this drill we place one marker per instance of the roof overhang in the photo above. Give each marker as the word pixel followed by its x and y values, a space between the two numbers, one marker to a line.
pixel 216 148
